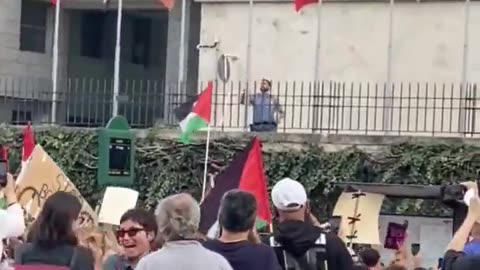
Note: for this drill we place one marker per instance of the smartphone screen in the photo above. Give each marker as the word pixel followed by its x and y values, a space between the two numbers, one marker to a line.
pixel 3 173
pixel 415 249
pixel 395 236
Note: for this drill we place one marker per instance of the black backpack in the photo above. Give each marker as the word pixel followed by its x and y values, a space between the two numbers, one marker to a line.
pixel 314 259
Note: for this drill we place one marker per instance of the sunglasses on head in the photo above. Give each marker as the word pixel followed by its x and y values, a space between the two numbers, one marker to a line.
pixel 130 232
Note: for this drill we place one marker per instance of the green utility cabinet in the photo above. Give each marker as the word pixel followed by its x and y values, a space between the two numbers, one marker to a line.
pixel 116 153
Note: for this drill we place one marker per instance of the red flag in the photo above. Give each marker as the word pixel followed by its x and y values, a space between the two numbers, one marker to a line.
pixel 54 2
pixel 246 173
pixel 168 4
pixel 28 143
pixel 3 153
pixel 299 4
pixel 253 180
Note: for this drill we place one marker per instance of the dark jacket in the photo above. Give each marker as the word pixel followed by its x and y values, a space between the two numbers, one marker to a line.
pixel 297 237
pixel 244 255
pixel 453 260
pixel 30 254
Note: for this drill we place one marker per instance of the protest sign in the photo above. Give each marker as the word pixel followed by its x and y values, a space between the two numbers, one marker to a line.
pixel 41 178
pixel 115 203
pixel 360 213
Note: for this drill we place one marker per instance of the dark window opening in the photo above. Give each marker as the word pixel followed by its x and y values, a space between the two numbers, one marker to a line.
pixel 92 34
pixel 142 28
pixel 21 117
pixel 33 26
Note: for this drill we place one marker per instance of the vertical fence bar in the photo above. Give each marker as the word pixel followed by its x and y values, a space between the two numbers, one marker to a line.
pixel 434 108
pixel 443 108
pixel 451 107
pixel 400 110
pixel 331 89
pixel 360 105
pixel 474 109
pixel 285 106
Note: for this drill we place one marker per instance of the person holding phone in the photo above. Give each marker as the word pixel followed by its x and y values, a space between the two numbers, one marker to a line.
pixel 12 222
pixel 455 258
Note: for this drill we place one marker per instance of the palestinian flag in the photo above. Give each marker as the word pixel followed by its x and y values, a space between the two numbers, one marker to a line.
pixel 299 4
pixel 246 173
pixel 195 115
pixel 28 144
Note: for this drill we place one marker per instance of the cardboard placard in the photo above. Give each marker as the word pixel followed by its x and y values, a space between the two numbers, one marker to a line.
pixel 116 201
pixel 41 178
pixel 360 213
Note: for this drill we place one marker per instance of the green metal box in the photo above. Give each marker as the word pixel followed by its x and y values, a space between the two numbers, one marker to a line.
pixel 116 153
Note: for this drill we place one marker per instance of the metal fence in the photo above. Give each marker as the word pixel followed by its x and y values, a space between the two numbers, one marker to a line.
pixel 428 109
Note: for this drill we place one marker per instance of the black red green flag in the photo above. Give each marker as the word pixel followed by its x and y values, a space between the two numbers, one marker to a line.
pixel 246 172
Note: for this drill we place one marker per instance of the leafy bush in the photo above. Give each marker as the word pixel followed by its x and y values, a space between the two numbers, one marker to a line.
pixel 165 167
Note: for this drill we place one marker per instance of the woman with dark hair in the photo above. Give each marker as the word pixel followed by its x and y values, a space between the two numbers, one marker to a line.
pixel 52 240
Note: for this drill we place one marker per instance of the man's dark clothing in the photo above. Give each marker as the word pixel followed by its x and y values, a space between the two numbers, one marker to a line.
pixel 30 254
pixel 297 237
pixel 245 255
pixel 458 261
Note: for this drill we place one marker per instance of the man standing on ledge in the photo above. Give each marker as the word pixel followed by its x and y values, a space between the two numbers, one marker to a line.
pixel 265 106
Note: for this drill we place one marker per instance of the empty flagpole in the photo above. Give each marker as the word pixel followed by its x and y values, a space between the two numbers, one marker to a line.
pixel 116 75
pixel 318 44
pixel 465 42
pixel 181 53
pixel 55 61
pixel 205 169
pixel 248 73
pixel 463 90
pixel 388 106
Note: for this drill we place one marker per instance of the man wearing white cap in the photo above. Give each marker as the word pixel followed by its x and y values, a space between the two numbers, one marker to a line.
pixel 299 233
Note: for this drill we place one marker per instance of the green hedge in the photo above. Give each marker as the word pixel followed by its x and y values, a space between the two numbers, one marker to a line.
pixel 165 167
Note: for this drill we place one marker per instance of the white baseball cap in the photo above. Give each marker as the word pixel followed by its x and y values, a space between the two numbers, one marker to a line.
pixel 289 195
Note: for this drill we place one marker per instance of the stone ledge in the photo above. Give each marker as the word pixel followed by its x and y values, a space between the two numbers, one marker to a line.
pixel 334 140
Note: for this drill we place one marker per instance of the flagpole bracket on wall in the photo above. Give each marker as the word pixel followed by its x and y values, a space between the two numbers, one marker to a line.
pixel 208 46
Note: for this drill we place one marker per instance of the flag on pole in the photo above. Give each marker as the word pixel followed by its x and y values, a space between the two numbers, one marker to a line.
pixel 28 144
pixel 299 4
pixel 245 173
pixel 168 4
pixel 195 114
pixel 54 2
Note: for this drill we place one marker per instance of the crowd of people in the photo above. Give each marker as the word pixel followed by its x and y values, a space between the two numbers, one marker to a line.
pixel 169 238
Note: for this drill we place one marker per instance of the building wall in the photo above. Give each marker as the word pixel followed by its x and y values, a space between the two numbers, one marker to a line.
pixel 427 41
pixel 14 62
pixel 427 47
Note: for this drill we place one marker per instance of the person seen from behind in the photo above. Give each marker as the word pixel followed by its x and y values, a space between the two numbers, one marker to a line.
pixel 371 258
pixel 299 232
pixel 455 258
pixel 12 221
pixel 137 234
pixel 52 236
pixel 237 216
pixel 178 219
pixel 265 108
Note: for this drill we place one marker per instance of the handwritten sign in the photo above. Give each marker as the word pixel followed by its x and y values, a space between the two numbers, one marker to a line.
pixel 41 178
pixel 115 203
pixel 360 216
